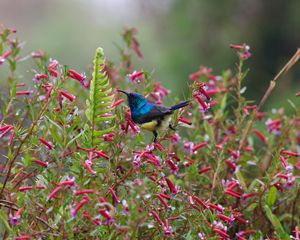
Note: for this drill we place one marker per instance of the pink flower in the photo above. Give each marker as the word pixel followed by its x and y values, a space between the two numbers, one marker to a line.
pixel 188 147
pixel 260 135
pixel 14 219
pixel 203 71
pixel 160 91
pixel 41 163
pixel 39 77
pixel 200 202
pixel 226 218
pixel 157 218
pixel 184 120
pixel 205 169
pixel 136 77
pixel 53 67
pixel 163 201
pixel 54 192
pixel 289 153
pixel 24 237
pixel 5 56
pixel 175 138
pixel 46 143
pixel 70 181
pixel 171 186
pixel 168 229
pixel 80 77
pixel 101 154
pixel 67 95
pixel 23 92
pixel 297 233
pixel 75 210
pixel 137 162
pixel 243 51
pixel 204 106
pixel 23 189
pixel 5 130
pixel 231 164
pixel 233 193
pixel 274 126
pixel 132 125
pixel 84 191
pixel 173 166
pixel 37 54
pixel 117 103
pixel 199 146
pixel 219 208
pixel 106 215
pixel 221 232
pixel 114 195
pixel 136 47
pixel 88 165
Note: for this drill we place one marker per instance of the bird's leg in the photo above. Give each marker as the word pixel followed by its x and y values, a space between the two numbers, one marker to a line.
pixel 155 136
pixel 171 127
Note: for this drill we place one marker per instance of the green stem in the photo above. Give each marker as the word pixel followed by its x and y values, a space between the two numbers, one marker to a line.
pixel 30 131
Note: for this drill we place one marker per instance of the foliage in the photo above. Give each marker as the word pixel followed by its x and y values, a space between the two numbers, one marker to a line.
pixel 99 107
pixel 229 172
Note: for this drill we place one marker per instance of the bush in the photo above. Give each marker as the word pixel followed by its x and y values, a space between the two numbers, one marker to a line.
pixel 75 165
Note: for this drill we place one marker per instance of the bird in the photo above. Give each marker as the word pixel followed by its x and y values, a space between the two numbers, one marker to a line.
pixel 151 116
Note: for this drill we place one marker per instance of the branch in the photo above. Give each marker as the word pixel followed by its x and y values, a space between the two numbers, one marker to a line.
pixel 293 60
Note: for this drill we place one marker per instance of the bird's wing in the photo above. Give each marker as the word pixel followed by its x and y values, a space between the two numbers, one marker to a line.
pixel 157 112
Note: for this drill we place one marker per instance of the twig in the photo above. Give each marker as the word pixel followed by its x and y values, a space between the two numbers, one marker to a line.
pixel 294 209
pixel 293 60
pixel 16 209
pixel 21 145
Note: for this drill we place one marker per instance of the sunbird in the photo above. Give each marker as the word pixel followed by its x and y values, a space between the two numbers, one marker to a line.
pixel 151 116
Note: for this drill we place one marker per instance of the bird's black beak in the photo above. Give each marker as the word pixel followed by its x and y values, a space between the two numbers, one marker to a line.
pixel 123 92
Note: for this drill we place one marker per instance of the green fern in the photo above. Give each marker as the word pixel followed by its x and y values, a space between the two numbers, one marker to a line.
pixel 99 111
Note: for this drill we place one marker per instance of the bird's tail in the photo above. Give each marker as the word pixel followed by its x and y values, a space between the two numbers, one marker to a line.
pixel 180 105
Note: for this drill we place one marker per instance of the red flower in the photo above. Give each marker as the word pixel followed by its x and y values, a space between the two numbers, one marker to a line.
pixel 184 120
pixel 171 186
pixel 260 135
pixel 135 77
pixel 41 163
pixel 243 51
pixel 205 169
pixel 66 95
pixel 75 210
pixel 23 92
pixel 46 143
pixel 84 191
pixel 23 189
pixel 155 215
pixel 54 192
pixel 14 219
pixel 199 146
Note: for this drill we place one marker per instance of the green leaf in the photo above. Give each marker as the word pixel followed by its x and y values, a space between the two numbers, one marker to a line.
pixel 223 103
pixel 241 179
pixel 74 138
pixel 209 130
pixel 99 104
pixel 276 224
pixel 4 220
pixel 272 196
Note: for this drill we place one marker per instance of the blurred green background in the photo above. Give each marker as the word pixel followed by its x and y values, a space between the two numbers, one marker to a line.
pixel 176 36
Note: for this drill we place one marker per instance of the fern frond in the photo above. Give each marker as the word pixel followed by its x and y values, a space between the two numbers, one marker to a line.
pixel 99 112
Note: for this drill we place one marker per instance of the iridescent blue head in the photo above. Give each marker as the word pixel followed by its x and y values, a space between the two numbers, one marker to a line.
pixel 135 100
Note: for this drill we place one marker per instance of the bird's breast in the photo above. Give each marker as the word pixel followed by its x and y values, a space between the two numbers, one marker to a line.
pixel 150 126
pixel 157 124
pixel 164 123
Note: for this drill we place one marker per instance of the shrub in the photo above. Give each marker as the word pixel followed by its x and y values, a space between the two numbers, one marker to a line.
pixel 74 164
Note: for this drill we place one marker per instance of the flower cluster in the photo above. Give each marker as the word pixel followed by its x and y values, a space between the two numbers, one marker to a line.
pixel 229 171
